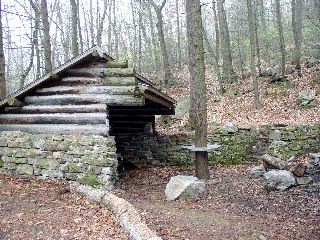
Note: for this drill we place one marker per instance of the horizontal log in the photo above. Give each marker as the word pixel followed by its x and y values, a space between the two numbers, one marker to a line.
pixel 103 72
pixel 111 90
pixel 113 117
pixel 92 108
pixel 54 118
pixel 142 110
pixel 115 130
pixel 73 99
pixel 117 64
pixel 105 81
pixel 60 129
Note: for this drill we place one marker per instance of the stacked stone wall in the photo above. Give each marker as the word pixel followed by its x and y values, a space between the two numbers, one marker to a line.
pixel 89 160
pixel 240 146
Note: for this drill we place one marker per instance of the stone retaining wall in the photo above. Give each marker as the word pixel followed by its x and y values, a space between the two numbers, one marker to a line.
pixel 238 146
pixel 89 160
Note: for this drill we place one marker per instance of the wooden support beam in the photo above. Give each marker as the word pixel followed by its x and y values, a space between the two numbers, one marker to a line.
pixel 60 129
pixel 54 118
pixel 156 99
pixel 91 108
pixel 103 72
pixel 110 90
pixel 73 99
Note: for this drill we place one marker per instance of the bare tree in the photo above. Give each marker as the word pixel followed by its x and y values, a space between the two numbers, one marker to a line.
pixel 165 58
pixel 228 70
pixel 253 46
pixel 101 25
pixel 153 37
pixel 197 83
pixel 2 60
pixel 281 37
pixel 178 33
pixel 46 36
pixel 297 31
pixel 74 26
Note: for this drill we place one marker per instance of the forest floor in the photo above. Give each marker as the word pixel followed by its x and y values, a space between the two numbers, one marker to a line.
pixel 280 101
pixel 234 207
pixel 37 209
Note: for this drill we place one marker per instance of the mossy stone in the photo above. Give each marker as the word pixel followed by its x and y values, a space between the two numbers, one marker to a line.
pixel 91 179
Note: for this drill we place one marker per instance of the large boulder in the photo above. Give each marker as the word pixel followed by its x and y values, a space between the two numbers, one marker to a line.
pixel 184 187
pixel 271 162
pixel 279 180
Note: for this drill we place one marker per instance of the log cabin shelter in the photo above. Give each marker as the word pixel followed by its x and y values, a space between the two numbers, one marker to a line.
pixel 92 94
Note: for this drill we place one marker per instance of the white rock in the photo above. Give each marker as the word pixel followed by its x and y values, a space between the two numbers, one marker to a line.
pixel 184 187
pixel 279 180
pixel 230 127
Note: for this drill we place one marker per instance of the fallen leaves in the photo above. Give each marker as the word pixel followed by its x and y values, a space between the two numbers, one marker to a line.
pixel 235 207
pixel 280 103
pixel 38 209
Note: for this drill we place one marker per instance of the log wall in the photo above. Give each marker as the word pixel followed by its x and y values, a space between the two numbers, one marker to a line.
pixel 76 102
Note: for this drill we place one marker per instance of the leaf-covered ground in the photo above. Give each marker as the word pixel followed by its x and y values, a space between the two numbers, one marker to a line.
pixel 35 209
pixel 280 101
pixel 235 207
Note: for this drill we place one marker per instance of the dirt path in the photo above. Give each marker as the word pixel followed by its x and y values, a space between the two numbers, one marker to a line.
pixel 33 209
pixel 235 207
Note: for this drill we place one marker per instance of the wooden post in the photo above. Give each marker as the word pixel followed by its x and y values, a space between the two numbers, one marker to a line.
pixel 202 169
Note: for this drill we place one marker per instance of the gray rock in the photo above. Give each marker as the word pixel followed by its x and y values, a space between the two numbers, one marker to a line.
pixel 275 135
pixel 274 163
pixel 257 171
pixel 230 127
pixel 304 180
pixel 182 108
pixel 279 180
pixel 299 169
pixel 24 169
pixel 184 187
pixel 306 97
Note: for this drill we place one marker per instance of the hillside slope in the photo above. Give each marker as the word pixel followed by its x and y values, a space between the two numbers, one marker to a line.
pixel 280 101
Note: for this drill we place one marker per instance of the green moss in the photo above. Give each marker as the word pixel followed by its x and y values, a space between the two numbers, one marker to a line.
pixel 74 168
pixel 315 82
pixel 91 179
pixel 1 163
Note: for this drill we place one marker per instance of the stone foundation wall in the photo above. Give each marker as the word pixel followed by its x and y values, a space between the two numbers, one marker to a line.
pixel 89 160
pixel 238 145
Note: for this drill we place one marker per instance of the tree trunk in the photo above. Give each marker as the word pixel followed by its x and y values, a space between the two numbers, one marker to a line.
pixel 153 38
pixel 178 34
pixel 255 15
pixel 74 27
pixel 253 45
pixel 165 58
pixel 79 27
pixel 46 36
pixel 2 60
pixel 197 83
pixel 101 24
pixel 228 71
pixel 215 61
pixel 115 32
pixel 281 37
pixel 297 31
